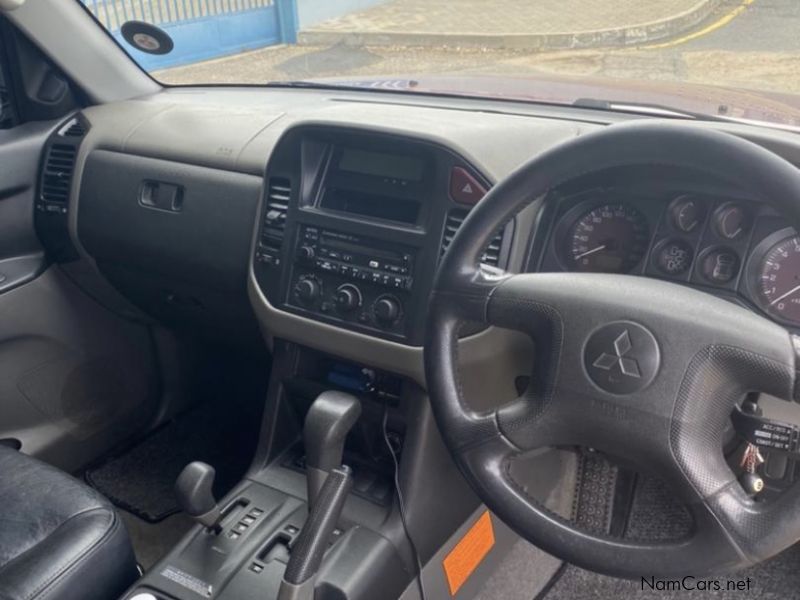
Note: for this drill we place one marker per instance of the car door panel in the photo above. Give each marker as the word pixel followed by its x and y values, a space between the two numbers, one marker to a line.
pixel 75 378
pixel 21 255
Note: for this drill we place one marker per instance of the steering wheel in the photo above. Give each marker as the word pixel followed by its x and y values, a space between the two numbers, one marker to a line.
pixel 636 368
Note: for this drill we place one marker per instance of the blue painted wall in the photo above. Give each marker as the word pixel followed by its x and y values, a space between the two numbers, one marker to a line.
pixel 205 38
pixel 311 12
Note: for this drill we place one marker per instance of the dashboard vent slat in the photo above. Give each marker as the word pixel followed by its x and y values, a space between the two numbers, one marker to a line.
pixel 455 218
pixel 278 196
pixel 57 173
pixel 75 129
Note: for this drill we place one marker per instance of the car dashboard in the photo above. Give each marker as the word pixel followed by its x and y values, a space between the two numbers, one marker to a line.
pixel 320 216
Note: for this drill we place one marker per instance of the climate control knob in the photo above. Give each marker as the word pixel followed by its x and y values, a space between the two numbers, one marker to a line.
pixel 347 298
pixel 306 253
pixel 387 310
pixel 307 290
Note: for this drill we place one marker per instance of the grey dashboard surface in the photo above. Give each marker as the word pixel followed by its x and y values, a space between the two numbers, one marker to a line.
pixel 237 129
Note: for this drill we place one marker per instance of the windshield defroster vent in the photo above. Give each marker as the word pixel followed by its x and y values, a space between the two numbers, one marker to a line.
pixel 495 252
pixel 279 194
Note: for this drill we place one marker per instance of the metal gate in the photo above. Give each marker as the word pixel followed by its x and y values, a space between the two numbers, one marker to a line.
pixel 201 29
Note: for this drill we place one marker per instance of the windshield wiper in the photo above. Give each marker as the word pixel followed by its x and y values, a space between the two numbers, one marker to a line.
pixel 310 85
pixel 644 108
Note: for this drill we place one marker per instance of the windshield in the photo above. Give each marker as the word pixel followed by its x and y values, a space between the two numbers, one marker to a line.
pixel 736 59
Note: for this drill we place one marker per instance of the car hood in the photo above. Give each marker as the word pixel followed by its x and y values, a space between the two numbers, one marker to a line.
pixel 728 103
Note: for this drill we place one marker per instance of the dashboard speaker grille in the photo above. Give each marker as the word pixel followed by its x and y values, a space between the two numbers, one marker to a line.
pixel 455 218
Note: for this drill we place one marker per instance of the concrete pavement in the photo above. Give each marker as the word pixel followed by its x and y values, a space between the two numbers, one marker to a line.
pixel 758 49
pixel 519 24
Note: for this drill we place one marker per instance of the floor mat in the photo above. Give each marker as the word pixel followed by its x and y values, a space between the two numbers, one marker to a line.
pixel 142 480
pixel 222 431
pixel 151 541
pixel 654 515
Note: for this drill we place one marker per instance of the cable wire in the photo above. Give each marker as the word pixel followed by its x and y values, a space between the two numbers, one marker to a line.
pixel 401 503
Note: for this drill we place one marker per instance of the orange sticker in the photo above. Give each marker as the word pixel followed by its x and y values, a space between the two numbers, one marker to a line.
pixel 468 553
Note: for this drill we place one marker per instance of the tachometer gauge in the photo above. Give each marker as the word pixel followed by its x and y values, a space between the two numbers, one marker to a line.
pixel 778 280
pixel 611 238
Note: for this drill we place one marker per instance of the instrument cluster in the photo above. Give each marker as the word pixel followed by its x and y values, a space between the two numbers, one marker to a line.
pixel 734 247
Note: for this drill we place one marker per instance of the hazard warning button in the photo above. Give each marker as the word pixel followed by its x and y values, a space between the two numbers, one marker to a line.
pixel 464 188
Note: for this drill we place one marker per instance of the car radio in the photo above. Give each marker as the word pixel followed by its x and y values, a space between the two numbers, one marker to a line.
pixel 352 278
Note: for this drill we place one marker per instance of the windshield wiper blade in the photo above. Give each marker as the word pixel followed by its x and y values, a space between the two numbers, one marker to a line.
pixel 309 85
pixel 644 108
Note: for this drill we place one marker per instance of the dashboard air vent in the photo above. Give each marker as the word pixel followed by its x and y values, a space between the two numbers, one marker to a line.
pixel 280 190
pixel 493 251
pixel 279 193
pixel 74 129
pixel 57 173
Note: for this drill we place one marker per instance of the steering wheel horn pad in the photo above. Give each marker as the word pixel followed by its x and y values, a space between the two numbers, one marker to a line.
pixel 621 357
pixel 640 369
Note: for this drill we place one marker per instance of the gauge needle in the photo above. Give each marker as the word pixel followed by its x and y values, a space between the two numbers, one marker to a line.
pixel 789 293
pixel 592 251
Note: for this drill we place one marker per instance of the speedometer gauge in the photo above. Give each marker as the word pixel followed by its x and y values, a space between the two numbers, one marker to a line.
pixel 611 238
pixel 778 280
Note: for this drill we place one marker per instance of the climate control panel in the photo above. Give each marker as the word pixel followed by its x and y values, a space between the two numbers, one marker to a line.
pixel 352 279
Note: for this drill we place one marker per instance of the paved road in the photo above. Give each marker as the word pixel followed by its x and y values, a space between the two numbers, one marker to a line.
pixel 763 26
pixel 747 44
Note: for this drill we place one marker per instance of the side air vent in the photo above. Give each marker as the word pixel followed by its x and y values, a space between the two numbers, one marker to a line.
pixel 57 173
pixel 493 254
pixel 274 225
pixel 74 129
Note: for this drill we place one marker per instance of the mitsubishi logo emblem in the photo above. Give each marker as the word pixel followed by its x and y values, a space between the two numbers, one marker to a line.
pixel 622 346
pixel 621 357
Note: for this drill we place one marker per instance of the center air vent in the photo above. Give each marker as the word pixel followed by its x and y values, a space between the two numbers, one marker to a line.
pixel 280 190
pixel 57 173
pixel 273 228
pixel 494 251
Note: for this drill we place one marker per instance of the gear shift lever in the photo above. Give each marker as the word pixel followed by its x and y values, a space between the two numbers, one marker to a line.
pixel 327 424
pixel 193 490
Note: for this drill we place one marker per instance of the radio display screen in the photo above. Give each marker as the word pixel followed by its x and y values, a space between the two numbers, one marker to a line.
pixel 371 205
pixel 379 164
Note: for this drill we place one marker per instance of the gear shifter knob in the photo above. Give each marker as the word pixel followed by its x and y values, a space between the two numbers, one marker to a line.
pixel 193 490
pixel 327 424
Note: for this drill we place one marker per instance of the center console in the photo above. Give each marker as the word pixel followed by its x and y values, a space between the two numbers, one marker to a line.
pixel 350 231
pixel 353 225
pixel 263 538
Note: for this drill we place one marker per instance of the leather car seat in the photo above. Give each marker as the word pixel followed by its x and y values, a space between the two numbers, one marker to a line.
pixel 59 539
